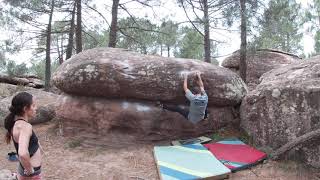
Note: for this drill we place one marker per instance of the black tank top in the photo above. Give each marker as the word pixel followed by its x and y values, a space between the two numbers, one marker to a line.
pixel 33 143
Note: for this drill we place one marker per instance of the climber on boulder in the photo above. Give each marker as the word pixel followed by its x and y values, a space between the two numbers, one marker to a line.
pixel 198 102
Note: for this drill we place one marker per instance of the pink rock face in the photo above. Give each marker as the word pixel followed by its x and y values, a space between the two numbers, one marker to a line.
pixel 118 73
pixel 284 106
pixel 142 118
pixel 259 63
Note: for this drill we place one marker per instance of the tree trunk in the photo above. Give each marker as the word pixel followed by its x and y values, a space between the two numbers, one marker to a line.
pixel 58 50
pixel 168 48
pixel 144 50
pixel 79 28
pixel 243 47
pixel 207 52
pixel 288 43
pixel 48 46
pixel 298 141
pixel 61 57
pixel 71 33
pixel 114 22
pixel 318 17
pixel 161 50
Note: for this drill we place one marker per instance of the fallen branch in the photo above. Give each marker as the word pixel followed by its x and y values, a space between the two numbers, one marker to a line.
pixel 298 141
pixel 278 51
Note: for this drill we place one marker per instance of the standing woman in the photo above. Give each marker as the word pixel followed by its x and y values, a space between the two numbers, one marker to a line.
pixel 25 141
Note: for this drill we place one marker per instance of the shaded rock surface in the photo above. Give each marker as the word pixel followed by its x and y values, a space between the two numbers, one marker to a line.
pixel 29 81
pixel 9 89
pixel 259 62
pixel 284 106
pixel 142 118
pixel 46 106
pixel 118 73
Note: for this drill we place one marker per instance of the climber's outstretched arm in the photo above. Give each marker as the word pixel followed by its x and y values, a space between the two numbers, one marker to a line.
pixel 200 83
pixel 185 83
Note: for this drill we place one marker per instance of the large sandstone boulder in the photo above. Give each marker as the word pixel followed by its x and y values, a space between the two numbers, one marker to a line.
pixel 142 118
pixel 284 106
pixel 259 62
pixel 46 106
pixel 118 73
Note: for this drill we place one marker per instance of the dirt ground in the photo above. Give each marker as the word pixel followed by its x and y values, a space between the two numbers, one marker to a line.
pixel 77 158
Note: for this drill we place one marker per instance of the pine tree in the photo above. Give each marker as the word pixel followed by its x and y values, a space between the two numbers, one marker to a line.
pixel 280 27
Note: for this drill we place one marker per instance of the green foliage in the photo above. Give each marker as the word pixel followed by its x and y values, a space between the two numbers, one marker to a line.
pixel 317 42
pixel 2 61
pixel 38 68
pixel 13 69
pixel 95 38
pixel 145 37
pixel 58 26
pixel 168 35
pixel 30 4
pixel 32 9
pixel 216 137
pixel 312 15
pixel 9 46
pixel 231 12
pixel 279 27
pixel 191 44
pixel 74 143
pixel 137 35
pixel 169 32
pixel 244 137
pixel 214 61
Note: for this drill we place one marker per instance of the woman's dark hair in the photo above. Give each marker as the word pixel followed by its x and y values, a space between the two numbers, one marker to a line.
pixel 19 101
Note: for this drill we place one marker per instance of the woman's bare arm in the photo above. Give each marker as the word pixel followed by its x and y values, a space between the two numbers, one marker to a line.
pixel 24 138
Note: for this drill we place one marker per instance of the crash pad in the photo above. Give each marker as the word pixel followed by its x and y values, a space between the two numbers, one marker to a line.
pixel 187 162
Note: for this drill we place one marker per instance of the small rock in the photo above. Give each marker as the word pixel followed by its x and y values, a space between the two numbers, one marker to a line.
pixel 276 93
